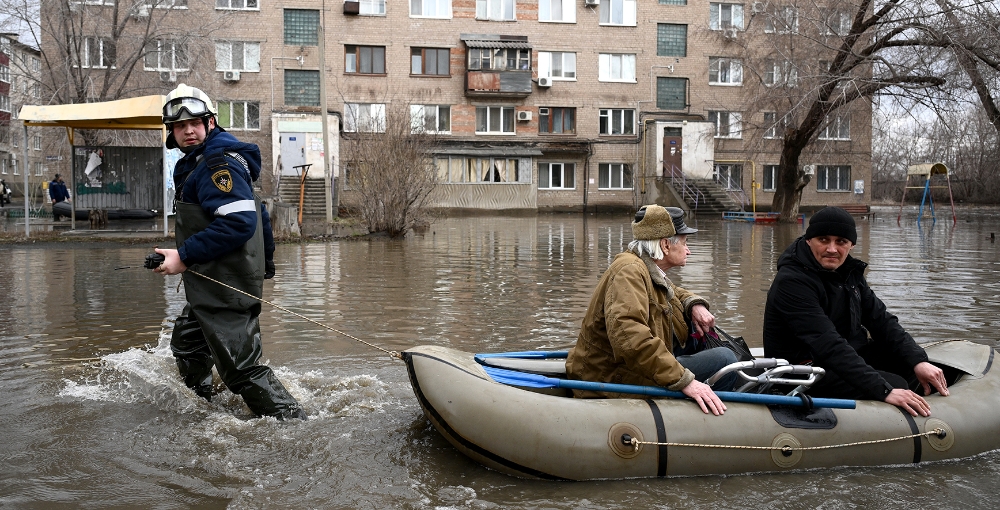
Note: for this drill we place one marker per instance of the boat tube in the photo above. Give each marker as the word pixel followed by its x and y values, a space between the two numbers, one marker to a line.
pixel 538 430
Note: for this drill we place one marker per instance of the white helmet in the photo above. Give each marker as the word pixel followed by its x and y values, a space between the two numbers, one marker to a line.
pixel 185 102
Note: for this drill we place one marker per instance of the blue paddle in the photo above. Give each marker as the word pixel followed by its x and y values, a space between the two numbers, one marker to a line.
pixel 527 380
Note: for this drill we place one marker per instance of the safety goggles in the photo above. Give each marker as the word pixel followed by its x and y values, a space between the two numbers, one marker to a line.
pixel 195 108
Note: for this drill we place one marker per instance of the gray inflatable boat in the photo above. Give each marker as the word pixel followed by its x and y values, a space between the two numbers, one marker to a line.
pixel 536 430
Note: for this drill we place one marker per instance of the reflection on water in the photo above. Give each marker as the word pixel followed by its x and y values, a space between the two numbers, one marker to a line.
pixel 94 415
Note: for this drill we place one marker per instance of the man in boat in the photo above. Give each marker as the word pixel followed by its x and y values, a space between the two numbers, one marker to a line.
pixel 636 327
pixel 821 311
pixel 221 232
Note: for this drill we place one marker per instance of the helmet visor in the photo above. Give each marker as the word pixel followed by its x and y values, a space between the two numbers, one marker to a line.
pixel 195 107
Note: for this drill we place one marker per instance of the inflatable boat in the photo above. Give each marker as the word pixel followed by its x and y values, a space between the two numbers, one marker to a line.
pixel 514 412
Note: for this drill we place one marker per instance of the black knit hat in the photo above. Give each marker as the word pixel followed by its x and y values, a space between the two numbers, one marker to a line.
pixel 832 221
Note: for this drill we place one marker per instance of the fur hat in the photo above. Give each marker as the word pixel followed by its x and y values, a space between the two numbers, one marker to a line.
pixel 832 221
pixel 654 222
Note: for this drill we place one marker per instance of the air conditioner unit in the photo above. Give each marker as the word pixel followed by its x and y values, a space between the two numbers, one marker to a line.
pixel 591 3
pixel 758 7
pixel 168 76
pixel 524 115
pixel 809 169
pixel 730 33
pixel 231 75
pixel 75 7
pixel 544 81
pixel 141 12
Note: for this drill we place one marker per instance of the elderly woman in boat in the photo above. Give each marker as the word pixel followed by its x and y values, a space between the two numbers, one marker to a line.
pixel 636 327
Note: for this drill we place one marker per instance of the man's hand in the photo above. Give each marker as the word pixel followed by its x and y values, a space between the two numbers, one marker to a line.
pixel 930 375
pixel 705 397
pixel 702 319
pixel 172 264
pixel 909 401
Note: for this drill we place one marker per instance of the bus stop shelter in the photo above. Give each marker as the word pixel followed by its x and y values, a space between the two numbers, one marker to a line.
pixel 133 113
pixel 927 172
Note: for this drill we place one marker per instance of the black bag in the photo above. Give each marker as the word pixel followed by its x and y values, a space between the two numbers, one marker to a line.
pixel 719 338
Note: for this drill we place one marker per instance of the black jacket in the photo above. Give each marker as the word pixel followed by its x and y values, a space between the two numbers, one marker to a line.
pixel 815 314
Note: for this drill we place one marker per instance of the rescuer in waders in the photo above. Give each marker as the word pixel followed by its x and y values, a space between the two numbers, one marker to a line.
pixel 220 232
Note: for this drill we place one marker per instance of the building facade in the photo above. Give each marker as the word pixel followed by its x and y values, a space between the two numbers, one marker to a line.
pixel 536 104
pixel 20 84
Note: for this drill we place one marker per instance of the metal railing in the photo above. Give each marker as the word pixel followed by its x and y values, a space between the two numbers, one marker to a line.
pixel 678 181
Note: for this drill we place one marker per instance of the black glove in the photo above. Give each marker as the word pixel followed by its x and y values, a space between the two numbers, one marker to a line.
pixel 153 261
pixel 268 269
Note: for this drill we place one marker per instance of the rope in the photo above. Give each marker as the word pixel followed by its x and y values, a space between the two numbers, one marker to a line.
pixel 788 449
pixel 393 354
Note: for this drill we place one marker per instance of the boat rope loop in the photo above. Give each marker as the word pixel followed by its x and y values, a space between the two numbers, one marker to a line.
pixel 786 449
pixel 394 354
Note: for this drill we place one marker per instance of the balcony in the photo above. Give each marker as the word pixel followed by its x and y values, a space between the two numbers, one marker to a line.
pixel 498 83
pixel 497 66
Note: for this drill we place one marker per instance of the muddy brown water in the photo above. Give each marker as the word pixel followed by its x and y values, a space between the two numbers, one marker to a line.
pixel 93 415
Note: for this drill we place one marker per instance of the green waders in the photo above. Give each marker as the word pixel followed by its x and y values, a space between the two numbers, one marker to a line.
pixel 220 326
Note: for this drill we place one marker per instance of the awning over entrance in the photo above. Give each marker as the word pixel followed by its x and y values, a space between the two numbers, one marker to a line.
pixel 496 41
pixel 134 113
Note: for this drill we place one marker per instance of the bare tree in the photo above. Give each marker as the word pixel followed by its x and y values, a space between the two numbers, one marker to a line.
pixel 389 167
pixel 813 62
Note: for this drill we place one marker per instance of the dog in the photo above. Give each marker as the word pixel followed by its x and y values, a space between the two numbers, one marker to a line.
pixel 98 218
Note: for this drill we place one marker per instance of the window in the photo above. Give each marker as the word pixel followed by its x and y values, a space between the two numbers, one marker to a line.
pixel 770 178
pixel 780 73
pixel 838 23
pixel 3 166
pixel 671 93
pixel 725 71
pixel 36 65
pixel 5 73
pixel 302 27
pixel 671 40
pixel 237 56
pixel 239 115
pixel 495 10
pixel 730 177
pixel 477 170
pixel 556 176
pixel 301 87
pixel 364 59
pixel 557 10
pixel 557 120
pixel 430 8
pixel 495 119
pixel 364 117
pixel 616 67
pixel 557 65
pixel 614 176
pixel 430 118
pixel 36 90
pixel 618 12
pixel 430 61
pixel 38 168
pixel 833 178
pixel 13 164
pixel 774 128
pixel 727 124
pixel 36 142
pixel 4 107
pixel 166 55
pixel 499 59
pixel 725 16
pixel 237 4
pixel 372 7
pixel 837 128
pixel 617 121
pixel 784 21
pixel 95 52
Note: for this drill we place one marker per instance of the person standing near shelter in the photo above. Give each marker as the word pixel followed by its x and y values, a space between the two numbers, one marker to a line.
pixel 635 330
pixel 4 193
pixel 821 311
pixel 219 231
pixel 58 193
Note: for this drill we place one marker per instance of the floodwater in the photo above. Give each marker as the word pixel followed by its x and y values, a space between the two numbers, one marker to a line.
pixel 93 415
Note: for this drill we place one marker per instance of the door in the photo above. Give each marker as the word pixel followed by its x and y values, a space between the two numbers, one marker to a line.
pixel 672 157
pixel 293 152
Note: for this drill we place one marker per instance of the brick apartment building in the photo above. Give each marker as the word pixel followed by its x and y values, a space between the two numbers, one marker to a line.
pixel 538 104
pixel 20 70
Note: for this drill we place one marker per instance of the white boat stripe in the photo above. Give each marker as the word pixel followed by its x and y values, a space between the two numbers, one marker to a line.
pixel 234 207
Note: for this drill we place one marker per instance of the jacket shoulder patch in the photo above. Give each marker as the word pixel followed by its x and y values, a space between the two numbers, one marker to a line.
pixel 223 180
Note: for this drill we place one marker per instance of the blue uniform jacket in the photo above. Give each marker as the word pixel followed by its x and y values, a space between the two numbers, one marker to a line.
pixel 225 193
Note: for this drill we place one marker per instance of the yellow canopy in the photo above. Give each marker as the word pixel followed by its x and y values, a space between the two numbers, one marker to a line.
pixel 927 169
pixel 134 113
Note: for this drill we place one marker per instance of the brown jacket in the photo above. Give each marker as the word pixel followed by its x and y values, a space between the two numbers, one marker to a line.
pixel 634 319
